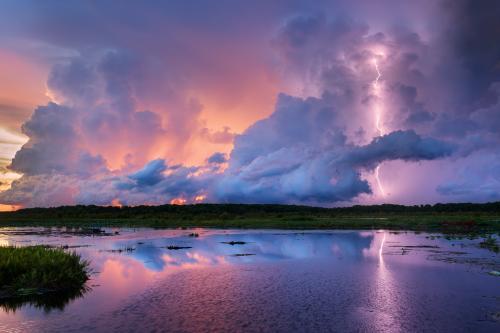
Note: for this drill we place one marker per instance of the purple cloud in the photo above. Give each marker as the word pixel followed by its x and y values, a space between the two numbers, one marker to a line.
pixel 128 105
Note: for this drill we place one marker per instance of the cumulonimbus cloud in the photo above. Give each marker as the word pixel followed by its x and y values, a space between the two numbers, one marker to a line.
pixel 118 113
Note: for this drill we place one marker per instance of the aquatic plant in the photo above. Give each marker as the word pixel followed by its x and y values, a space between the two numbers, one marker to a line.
pixel 446 218
pixel 490 243
pixel 234 243
pixel 38 270
pixel 173 247
pixel 126 249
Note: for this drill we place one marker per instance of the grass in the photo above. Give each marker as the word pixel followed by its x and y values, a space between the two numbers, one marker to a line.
pixel 448 218
pixel 490 243
pixel 418 222
pixel 37 270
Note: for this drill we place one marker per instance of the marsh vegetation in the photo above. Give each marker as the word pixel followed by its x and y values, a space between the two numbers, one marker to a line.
pixel 446 218
pixel 40 275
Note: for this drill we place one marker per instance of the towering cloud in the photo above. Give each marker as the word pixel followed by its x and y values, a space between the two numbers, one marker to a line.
pixel 300 154
pixel 183 103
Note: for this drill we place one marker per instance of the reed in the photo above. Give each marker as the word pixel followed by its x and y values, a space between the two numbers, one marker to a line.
pixel 36 270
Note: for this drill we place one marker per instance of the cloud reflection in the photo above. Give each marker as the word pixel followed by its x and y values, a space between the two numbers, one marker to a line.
pixel 211 250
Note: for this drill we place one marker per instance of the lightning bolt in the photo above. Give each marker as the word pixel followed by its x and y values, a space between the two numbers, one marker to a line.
pixel 378 115
pixel 378 122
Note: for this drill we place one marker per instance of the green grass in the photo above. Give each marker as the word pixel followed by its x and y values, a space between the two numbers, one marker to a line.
pixel 419 222
pixel 36 270
pixel 440 217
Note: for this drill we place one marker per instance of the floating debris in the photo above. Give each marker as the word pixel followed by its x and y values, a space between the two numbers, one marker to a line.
pixel 173 247
pixel 242 254
pixel 494 273
pixel 234 243
pixel 65 247
pixel 126 249
pixel 194 234
pixel 490 243
pixel 94 230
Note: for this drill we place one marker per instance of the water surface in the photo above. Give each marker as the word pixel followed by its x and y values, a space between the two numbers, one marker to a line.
pixel 254 280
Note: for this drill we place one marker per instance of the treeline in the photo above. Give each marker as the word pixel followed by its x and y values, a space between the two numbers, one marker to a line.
pixel 217 211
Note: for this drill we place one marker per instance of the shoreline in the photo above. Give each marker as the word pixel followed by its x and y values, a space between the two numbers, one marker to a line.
pixel 440 223
pixel 463 218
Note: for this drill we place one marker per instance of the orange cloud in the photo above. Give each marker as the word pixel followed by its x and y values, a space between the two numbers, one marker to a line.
pixel 8 208
pixel 22 87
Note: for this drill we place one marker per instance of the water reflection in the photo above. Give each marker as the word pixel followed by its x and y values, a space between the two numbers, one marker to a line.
pixel 46 302
pixel 381 250
pixel 128 262
pixel 212 249
pixel 293 281
pixel 387 302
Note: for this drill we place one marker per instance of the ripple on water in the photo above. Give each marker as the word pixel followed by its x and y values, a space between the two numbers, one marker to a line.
pixel 271 281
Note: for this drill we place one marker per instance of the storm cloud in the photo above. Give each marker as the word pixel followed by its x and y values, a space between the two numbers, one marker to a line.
pixel 293 102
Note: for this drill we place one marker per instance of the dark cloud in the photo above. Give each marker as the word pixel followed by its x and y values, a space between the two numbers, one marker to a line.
pixel 468 181
pixel 474 44
pixel 487 118
pixel 295 122
pixel 399 145
pixel 156 183
pixel 307 159
pixel 127 90
pixel 151 174
pixel 217 158
pixel 338 56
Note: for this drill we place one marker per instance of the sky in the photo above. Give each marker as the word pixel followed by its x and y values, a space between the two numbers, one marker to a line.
pixel 328 103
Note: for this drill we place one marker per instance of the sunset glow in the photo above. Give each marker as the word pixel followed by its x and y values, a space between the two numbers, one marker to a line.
pixel 249 166
pixel 178 201
pixel 323 104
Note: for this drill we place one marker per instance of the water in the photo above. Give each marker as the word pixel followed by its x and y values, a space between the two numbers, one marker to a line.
pixel 278 281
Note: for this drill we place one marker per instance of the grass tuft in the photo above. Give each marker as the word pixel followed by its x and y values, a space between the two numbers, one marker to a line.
pixel 36 270
pixel 490 243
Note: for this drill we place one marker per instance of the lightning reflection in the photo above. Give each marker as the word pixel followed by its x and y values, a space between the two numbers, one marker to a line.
pixel 380 251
